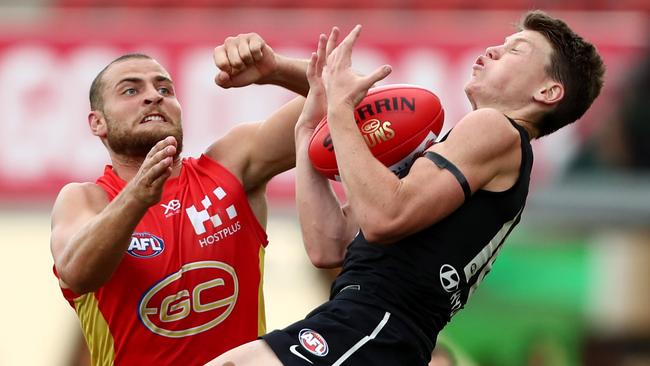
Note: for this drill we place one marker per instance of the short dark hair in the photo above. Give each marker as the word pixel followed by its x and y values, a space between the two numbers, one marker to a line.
pixel 95 94
pixel 575 63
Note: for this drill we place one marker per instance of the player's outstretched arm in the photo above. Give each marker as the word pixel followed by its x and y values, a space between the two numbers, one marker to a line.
pixel 256 152
pixel 483 145
pixel 246 59
pixel 90 235
pixel 326 227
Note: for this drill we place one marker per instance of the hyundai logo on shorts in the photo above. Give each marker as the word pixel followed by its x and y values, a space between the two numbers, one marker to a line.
pixel 449 278
pixel 145 245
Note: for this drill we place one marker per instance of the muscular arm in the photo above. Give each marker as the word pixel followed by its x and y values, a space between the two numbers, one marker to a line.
pixel 255 152
pixel 90 235
pixel 483 146
pixel 290 75
pixel 327 228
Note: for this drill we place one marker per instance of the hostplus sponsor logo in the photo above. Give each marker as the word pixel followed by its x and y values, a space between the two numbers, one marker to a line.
pixel 222 224
pixel 145 245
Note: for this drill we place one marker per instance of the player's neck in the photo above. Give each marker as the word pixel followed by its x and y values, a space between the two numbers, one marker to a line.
pixel 526 120
pixel 526 116
pixel 529 126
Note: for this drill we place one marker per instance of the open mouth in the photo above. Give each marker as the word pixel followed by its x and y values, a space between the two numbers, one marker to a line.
pixel 154 117
pixel 478 64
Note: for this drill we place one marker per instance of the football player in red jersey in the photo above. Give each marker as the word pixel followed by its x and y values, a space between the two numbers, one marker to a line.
pixel 162 256
pixel 415 248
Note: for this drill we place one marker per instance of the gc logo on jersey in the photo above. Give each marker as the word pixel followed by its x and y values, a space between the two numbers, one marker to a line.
pixel 195 299
pixel 145 245
pixel 313 342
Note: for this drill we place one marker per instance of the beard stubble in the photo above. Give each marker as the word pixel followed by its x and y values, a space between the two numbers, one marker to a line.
pixel 137 144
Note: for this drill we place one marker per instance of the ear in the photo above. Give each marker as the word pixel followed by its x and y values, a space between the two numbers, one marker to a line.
pixel 97 123
pixel 550 93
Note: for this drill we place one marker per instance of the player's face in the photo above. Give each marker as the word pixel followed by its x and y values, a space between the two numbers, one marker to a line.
pixel 140 107
pixel 508 75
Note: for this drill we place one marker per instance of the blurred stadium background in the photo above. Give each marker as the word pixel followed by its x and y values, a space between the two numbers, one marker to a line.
pixel 571 287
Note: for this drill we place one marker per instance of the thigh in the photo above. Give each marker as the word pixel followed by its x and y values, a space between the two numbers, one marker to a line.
pixel 343 333
pixel 254 353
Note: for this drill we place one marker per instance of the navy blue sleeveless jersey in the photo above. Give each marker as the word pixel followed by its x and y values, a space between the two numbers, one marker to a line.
pixel 427 277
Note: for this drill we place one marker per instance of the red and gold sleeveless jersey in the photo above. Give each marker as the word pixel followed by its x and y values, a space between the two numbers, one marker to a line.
pixel 189 286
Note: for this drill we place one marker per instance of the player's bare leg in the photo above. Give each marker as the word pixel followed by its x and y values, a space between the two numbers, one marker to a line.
pixel 255 353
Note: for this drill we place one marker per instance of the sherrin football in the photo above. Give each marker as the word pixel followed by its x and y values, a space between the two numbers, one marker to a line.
pixel 398 122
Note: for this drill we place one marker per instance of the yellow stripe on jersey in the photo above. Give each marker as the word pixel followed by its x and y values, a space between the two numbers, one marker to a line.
pixel 95 328
pixel 261 315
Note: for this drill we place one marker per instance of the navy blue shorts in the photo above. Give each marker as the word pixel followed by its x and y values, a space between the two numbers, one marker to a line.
pixel 343 332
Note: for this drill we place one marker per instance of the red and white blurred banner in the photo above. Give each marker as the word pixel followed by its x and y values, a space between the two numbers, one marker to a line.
pixel 48 62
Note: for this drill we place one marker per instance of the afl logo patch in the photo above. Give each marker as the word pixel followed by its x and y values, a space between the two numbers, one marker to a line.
pixel 145 245
pixel 449 278
pixel 313 342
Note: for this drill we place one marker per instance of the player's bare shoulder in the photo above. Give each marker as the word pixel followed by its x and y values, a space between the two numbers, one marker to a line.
pixel 491 123
pixel 487 130
pixel 484 145
pixel 84 196
pixel 75 205
pixel 233 150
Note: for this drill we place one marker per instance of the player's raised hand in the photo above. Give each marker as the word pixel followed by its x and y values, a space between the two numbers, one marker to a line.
pixel 243 60
pixel 316 104
pixel 343 85
pixel 147 185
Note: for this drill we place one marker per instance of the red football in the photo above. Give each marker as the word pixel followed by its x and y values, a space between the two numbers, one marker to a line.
pixel 398 122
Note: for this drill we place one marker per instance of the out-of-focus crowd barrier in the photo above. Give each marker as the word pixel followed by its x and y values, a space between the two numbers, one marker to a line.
pixel 47 62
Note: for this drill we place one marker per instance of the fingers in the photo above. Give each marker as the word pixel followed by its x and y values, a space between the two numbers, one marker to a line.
pixel 220 57
pixel 256 45
pixel 332 41
pixel 317 61
pixel 160 145
pixel 159 159
pixel 379 74
pixel 321 53
pixel 236 53
pixel 251 49
pixel 346 46
pixel 312 66
pixel 223 79
pixel 235 60
pixel 161 177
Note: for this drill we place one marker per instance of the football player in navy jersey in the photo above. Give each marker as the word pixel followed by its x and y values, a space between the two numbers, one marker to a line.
pixel 414 249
